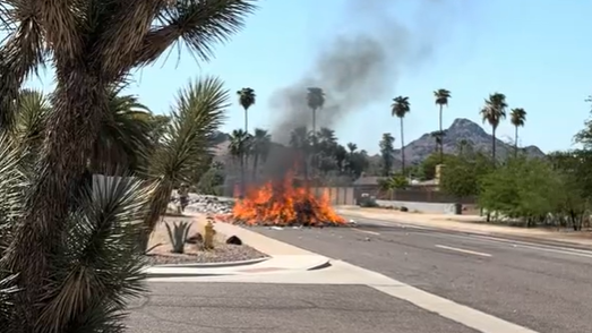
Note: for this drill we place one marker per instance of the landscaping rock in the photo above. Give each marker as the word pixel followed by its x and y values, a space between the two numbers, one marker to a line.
pixel 233 240
pixel 206 204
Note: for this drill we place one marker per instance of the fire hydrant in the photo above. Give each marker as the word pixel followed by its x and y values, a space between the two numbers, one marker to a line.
pixel 209 233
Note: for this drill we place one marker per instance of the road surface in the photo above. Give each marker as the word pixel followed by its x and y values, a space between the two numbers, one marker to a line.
pixel 547 289
pixel 189 307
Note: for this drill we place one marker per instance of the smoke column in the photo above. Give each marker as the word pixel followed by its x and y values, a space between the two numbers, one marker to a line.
pixel 360 69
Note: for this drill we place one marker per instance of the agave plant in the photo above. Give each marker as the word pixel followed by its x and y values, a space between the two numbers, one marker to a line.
pixel 178 235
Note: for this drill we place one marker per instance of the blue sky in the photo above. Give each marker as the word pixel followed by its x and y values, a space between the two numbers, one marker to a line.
pixel 536 52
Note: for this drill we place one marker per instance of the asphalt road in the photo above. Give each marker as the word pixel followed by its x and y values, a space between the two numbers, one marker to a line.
pixel 543 288
pixel 279 308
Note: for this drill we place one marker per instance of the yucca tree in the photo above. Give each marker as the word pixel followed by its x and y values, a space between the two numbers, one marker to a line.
pixel 442 96
pixel 315 99
pixel 246 98
pixel 91 46
pixel 240 144
pixel 197 114
pixel 399 109
pixel 518 119
pixel 494 112
pixel 260 146
pixel 95 268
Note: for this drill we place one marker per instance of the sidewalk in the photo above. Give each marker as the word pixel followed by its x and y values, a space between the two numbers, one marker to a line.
pixel 469 224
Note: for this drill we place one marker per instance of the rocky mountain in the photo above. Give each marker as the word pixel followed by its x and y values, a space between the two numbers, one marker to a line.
pixel 419 149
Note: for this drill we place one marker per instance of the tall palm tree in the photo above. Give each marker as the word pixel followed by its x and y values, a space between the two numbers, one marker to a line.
pixel 518 118
pixel 300 141
pixel 260 146
pixel 493 112
pixel 441 97
pixel 352 147
pixel 91 45
pixel 246 98
pixel 399 109
pixel 315 100
pixel 240 142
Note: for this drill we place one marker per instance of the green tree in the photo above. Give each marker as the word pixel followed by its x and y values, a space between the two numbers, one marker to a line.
pixel 523 189
pixel 461 175
pixel 246 98
pixel 428 166
pixel 91 45
pixel 315 99
pixel 441 98
pixel 240 145
pixel 399 109
pixel 387 151
pixel 518 118
pixel 260 147
pixel 494 112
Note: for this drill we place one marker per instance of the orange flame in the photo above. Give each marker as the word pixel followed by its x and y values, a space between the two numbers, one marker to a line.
pixel 283 204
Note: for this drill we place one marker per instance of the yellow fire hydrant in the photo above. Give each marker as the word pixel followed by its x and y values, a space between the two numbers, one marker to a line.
pixel 209 233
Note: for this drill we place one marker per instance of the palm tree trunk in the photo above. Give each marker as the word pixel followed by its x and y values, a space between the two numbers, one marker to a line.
pixel 516 142
pixel 441 137
pixel 72 130
pixel 402 147
pixel 493 139
pixel 255 163
pixel 242 167
pixel 246 120
pixel 314 142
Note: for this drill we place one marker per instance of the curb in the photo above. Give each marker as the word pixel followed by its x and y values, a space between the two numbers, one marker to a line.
pixel 324 265
pixel 177 275
pixel 216 264
pixel 535 240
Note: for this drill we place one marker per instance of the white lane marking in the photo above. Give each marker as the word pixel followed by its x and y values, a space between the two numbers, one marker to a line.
pixel 368 232
pixel 469 317
pixel 553 249
pixel 481 254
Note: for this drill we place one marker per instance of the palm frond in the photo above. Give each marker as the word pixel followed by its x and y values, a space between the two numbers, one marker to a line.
pixel 99 268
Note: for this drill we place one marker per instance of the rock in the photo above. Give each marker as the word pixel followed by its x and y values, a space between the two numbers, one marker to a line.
pixel 404 209
pixel 233 240
pixel 197 238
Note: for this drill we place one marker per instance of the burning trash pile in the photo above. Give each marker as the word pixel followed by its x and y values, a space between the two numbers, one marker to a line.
pixel 283 204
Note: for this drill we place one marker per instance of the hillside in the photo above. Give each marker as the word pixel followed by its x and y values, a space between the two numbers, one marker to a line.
pixel 420 148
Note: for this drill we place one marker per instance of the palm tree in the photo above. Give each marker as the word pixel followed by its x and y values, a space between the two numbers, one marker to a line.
pixel 246 98
pixel 493 112
pixel 260 146
pixel 518 118
pixel 186 145
pixel 352 147
pixel 315 100
pixel 124 140
pixel 91 45
pixel 442 96
pixel 300 142
pixel 240 144
pixel 400 108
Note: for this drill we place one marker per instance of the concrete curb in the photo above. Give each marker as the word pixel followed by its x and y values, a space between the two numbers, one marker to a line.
pixel 216 264
pixel 177 275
